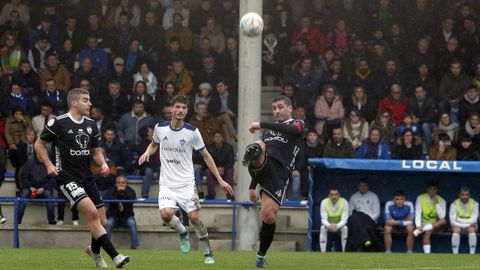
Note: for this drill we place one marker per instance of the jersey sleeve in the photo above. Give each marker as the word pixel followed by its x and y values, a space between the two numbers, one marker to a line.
pixel 51 131
pixel 97 137
pixel 156 135
pixel 197 142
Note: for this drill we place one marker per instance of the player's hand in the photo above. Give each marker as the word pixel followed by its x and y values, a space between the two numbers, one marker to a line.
pixel 226 187
pixel 143 158
pixel 333 227
pixel 52 170
pixel 252 194
pixel 254 127
pixel 105 170
pixel 40 191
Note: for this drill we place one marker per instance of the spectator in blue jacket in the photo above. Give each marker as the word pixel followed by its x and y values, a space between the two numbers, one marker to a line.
pixel 131 122
pixel 374 147
pixel 37 184
pixel 116 151
pixel 98 55
pixel 55 97
pixel 46 28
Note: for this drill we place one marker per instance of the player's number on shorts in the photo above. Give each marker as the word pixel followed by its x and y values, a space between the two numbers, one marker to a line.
pixel 71 186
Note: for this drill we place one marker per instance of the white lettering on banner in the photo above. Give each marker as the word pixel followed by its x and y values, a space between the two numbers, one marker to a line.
pixel 431 165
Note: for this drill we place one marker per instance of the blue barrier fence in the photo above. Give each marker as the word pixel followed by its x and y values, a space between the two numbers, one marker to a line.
pixel 233 204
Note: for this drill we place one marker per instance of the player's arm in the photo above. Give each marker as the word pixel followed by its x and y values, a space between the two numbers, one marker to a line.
pixel 213 168
pixel 42 155
pixel 99 159
pixel 344 218
pixel 441 207
pixel 324 215
pixel 295 129
pixel 376 208
pixel 454 222
pixel 418 212
pixel 151 149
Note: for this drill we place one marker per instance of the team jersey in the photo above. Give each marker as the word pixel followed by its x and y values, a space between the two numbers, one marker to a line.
pixel 393 212
pixel 72 142
pixel 284 147
pixel 176 148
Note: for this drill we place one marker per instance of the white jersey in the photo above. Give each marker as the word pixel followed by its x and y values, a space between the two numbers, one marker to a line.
pixel 176 148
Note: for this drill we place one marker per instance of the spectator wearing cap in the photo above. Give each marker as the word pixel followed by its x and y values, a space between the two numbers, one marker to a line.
pixel 443 150
pixel 98 56
pixel 124 33
pixel 22 9
pixel 56 71
pixel 204 94
pixel 37 54
pixel 46 28
pixel 181 77
pixel 119 74
pixel 182 33
pixel 128 6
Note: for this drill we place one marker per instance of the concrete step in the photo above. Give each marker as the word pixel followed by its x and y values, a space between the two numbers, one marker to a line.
pixel 150 237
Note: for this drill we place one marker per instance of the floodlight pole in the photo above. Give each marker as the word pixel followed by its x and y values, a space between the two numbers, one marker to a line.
pixel 250 72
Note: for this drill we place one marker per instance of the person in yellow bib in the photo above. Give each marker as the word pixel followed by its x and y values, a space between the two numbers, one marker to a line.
pixel 463 218
pixel 334 215
pixel 430 214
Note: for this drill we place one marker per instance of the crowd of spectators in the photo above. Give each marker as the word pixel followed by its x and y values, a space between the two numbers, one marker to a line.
pixel 368 81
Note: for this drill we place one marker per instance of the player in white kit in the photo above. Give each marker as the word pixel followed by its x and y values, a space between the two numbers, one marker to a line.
pixel 177 141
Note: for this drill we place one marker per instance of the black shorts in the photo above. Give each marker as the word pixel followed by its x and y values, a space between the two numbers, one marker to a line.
pixel 75 191
pixel 273 178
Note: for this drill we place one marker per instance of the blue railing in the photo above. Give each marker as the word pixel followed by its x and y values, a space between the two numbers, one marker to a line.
pixel 234 204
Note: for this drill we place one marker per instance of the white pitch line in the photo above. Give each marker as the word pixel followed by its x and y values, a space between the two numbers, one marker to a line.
pixel 410 268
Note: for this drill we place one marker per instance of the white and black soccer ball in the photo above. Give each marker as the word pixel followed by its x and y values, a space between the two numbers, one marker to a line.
pixel 251 24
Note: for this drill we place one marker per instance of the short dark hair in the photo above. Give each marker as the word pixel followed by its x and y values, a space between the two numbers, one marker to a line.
pixel 179 99
pixel 283 98
pixel 431 184
pixel 333 188
pixel 398 193
pixel 363 180
pixel 138 102
pixel 46 103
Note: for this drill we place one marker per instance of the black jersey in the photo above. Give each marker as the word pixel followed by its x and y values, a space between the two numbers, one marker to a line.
pixel 284 147
pixel 73 142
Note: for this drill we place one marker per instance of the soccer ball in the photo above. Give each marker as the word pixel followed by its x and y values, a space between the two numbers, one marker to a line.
pixel 251 24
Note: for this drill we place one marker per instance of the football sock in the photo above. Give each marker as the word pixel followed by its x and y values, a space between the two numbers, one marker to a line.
pixel 202 235
pixel 426 249
pixel 266 237
pixel 344 236
pixel 323 238
pixel 177 225
pixel 472 242
pixel 95 246
pixel 104 241
pixel 455 243
pixel 428 227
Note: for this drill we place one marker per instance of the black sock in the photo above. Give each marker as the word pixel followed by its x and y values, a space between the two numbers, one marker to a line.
pixel 266 236
pixel 104 241
pixel 95 246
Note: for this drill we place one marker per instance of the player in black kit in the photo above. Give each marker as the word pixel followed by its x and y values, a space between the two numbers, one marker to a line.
pixel 270 162
pixel 76 140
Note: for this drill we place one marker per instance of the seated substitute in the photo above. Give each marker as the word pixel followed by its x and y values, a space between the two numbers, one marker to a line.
pixel 463 218
pixel 121 214
pixel 398 213
pixel 334 214
pixel 430 214
pixel 365 201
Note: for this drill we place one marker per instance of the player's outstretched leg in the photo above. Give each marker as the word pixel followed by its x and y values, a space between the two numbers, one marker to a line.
pixel 202 235
pixel 175 223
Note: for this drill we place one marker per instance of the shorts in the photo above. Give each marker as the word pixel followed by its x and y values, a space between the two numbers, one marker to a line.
pixel 272 177
pixel 186 197
pixel 75 191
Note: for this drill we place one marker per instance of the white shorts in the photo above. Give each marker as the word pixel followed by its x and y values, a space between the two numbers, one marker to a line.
pixel 186 197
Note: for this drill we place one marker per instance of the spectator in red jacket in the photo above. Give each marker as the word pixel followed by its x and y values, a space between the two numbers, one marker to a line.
pixel 316 39
pixel 396 102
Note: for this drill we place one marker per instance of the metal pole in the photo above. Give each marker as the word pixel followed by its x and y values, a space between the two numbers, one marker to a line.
pixel 234 225
pixel 16 241
pixel 250 61
pixel 310 209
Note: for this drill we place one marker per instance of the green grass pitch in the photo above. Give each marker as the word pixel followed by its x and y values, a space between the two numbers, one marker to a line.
pixel 57 259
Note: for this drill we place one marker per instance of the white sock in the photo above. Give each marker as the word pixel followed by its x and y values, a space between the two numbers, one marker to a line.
pixel 428 227
pixel 177 225
pixel 426 249
pixel 344 236
pixel 323 238
pixel 472 242
pixel 455 243
pixel 202 235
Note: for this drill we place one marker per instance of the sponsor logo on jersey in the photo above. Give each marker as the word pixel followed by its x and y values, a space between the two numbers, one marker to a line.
pixel 165 138
pixel 89 130
pixel 278 193
pixel 82 139
pixel 183 142
pixel 271 135
pixel 84 152
pixel 70 131
pixel 174 161
pixel 173 149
